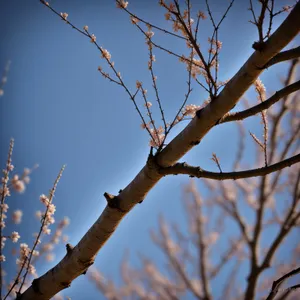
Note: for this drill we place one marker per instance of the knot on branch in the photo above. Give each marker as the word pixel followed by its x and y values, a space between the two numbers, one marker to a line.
pixel 69 248
pixel 36 286
pixel 65 285
pixel 153 164
pixel 258 46
pixel 113 202
pixel 194 143
pixel 86 265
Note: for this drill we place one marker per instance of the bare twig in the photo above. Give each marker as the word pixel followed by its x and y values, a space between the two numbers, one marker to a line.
pixel 184 168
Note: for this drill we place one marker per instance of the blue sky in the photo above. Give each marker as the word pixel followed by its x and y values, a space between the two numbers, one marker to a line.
pixel 60 110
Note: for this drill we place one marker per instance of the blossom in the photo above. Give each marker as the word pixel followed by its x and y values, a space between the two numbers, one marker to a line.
pixel 93 38
pixel 149 34
pixel 38 214
pixel 24 251
pixel 259 86
pixel 10 167
pixel 219 44
pixel 134 20
pixel 14 236
pixel 138 84
pixel 58 232
pixel 47 247
pixel 2 258
pixel 260 89
pixel 56 240
pixel 148 104
pixel 167 16
pixel 157 137
pixel 191 110
pixel 216 43
pixel 65 238
pixel 26 179
pixel 144 126
pixel 105 54
pixel 26 172
pixel 51 209
pixel 3 242
pixel 44 199
pixel 64 16
pixel 201 15
pixel 5 191
pixel 50 257
pixel 65 221
pixel 18 185
pixel 122 4
pixel 17 216
pixel 86 28
pixel 31 270
pixel 46 230
pixel 4 207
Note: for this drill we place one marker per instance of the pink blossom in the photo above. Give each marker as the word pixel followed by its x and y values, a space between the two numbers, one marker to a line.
pixel 105 54
pixel 44 199
pixel 50 257
pixel 3 242
pixel 4 207
pixel 2 258
pixel 14 236
pixel 5 191
pixel 138 84
pixel 134 20
pixel 149 34
pixel 191 109
pixel 17 216
pixel 122 4
pixel 19 186
pixel 64 16
pixel 65 221
pixel 93 38
pixel 148 104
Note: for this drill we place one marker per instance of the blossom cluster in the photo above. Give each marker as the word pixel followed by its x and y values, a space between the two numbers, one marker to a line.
pixel 27 255
pixel 48 216
pixel 260 89
pixel 190 110
pixel 23 260
pixel 157 137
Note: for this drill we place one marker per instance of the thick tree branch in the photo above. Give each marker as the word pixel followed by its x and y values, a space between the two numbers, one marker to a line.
pixel 284 56
pixel 263 105
pixel 184 168
pixel 83 254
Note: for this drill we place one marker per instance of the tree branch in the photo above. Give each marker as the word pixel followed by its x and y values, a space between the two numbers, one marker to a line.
pixel 83 254
pixel 278 282
pixel 184 168
pixel 263 105
pixel 283 56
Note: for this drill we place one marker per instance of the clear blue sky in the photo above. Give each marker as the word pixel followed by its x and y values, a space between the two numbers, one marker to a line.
pixel 60 110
